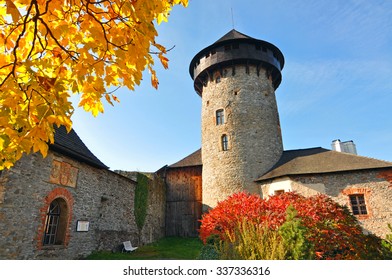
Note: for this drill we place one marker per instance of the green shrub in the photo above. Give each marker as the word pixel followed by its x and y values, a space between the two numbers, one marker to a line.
pixel 141 200
pixel 209 250
pixel 294 237
pixel 251 242
pixel 387 244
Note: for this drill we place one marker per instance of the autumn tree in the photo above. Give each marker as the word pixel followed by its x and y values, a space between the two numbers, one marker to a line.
pixel 52 49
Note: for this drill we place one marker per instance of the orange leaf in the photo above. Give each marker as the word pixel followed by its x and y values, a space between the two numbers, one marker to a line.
pixel 164 60
pixel 13 10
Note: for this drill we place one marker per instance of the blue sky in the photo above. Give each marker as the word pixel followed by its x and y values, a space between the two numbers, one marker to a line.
pixel 337 81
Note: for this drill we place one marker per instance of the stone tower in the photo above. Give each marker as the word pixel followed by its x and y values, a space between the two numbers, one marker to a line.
pixel 236 78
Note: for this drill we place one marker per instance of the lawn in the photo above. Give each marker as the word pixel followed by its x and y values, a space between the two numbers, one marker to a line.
pixel 169 248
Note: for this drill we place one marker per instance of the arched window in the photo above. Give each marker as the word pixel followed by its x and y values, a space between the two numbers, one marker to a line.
pixel 225 142
pixel 56 222
pixel 220 117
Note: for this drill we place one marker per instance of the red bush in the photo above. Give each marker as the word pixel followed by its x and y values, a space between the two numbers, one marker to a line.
pixel 332 230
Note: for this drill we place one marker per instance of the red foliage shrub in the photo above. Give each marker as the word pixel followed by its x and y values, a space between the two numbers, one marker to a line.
pixel 227 214
pixel 332 230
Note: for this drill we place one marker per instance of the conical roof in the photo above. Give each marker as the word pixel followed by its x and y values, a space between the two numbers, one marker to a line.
pixel 232 35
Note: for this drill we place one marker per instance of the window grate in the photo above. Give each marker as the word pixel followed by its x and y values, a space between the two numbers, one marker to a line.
pixel 358 205
pixel 52 223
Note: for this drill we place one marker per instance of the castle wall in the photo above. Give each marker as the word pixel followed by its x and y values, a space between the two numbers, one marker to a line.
pixel 376 186
pixel 251 122
pixel 100 198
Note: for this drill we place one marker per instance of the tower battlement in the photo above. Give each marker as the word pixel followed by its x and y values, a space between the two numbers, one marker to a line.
pixel 233 49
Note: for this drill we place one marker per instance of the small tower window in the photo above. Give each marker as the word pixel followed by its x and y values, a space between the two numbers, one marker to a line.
pixel 358 205
pixel 220 117
pixel 225 142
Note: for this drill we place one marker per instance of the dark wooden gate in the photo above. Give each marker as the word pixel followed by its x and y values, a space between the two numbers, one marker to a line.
pixel 183 201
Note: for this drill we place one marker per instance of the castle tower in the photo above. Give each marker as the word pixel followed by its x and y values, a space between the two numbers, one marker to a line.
pixel 236 78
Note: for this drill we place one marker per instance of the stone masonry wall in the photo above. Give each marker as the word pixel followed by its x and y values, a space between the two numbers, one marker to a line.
pixel 375 186
pixel 251 124
pixel 154 227
pixel 100 197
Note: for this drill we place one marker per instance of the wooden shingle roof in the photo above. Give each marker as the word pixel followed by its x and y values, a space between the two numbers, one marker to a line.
pixel 320 160
pixel 71 145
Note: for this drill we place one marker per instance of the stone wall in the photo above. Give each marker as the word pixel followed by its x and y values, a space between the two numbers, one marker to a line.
pixel 154 227
pixel 251 123
pixel 376 186
pixel 100 197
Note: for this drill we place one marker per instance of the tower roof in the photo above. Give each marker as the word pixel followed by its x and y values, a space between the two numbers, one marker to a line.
pixel 233 35
pixel 236 48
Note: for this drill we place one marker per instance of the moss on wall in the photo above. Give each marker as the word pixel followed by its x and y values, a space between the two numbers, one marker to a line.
pixel 141 200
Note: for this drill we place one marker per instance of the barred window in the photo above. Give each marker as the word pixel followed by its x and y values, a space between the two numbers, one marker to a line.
pixel 358 205
pixel 55 224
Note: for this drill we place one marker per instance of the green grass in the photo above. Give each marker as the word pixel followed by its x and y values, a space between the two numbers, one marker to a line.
pixel 169 248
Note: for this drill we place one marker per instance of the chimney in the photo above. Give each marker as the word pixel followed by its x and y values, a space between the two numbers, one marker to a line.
pixel 344 147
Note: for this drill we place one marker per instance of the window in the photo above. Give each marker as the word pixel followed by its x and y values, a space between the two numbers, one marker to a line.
pixel 55 224
pixel 220 117
pixel 225 142
pixel 277 192
pixel 358 205
pixel 227 48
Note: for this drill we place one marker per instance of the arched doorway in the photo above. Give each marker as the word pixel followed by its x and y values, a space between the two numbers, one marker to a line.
pixel 56 223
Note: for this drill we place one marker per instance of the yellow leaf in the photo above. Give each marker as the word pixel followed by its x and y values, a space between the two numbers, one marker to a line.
pixel 161 17
pixel 43 148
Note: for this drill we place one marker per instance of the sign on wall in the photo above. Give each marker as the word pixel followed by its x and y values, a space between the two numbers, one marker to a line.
pixel 82 225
